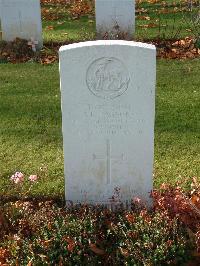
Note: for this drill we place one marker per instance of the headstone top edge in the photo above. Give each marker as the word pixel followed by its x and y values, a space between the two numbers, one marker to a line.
pixel 106 43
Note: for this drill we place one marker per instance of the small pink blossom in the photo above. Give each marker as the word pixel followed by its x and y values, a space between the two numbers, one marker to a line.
pixel 17 178
pixel 137 200
pixel 33 178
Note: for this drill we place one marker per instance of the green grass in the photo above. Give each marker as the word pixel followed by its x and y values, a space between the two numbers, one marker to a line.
pixel 177 131
pixel 80 29
pixel 30 132
pixel 169 20
pixel 172 19
pixel 30 124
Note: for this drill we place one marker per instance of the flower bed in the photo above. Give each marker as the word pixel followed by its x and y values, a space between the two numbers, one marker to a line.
pixel 39 232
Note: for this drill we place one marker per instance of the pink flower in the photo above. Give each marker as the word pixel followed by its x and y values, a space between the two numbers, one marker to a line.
pixel 17 178
pixel 137 200
pixel 33 178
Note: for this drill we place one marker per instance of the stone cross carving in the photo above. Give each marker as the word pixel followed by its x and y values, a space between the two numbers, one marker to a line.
pixel 108 160
pixel 33 44
pixel 115 14
pixel 103 111
pixel 0 31
pixel 20 21
pixel 115 19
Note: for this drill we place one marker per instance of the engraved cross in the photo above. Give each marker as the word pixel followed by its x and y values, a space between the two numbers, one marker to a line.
pixel 108 160
pixel 20 21
pixel 0 31
pixel 33 44
pixel 115 14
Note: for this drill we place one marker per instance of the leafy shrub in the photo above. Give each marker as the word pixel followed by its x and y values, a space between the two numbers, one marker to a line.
pixel 45 233
pixel 39 232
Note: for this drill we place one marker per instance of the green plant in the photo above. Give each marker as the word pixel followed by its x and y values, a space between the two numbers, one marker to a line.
pixel 192 19
pixel 44 233
pixel 41 232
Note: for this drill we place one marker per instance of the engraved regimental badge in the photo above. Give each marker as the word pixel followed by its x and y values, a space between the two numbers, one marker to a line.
pixel 107 78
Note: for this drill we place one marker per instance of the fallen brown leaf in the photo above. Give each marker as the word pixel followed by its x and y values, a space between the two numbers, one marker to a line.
pixel 97 250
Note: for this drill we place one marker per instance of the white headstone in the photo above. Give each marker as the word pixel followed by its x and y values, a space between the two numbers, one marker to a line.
pixel 0 22
pixel 115 19
pixel 108 92
pixel 22 19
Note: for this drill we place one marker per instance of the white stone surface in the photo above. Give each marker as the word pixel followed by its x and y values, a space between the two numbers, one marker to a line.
pixel 108 93
pixel 115 19
pixel 0 21
pixel 21 18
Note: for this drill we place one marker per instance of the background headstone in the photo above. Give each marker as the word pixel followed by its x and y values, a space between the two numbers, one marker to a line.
pixel 0 20
pixel 108 92
pixel 115 19
pixel 22 19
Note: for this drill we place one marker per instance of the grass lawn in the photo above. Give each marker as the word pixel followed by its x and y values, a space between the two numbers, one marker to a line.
pixel 67 29
pixel 169 19
pixel 30 124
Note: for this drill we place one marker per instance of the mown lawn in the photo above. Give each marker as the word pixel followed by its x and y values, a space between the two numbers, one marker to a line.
pixel 170 19
pixel 30 124
pixel 177 128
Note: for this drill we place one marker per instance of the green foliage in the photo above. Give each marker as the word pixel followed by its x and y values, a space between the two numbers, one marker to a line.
pixel 177 130
pixel 39 232
pixel 45 233
pixel 193 23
